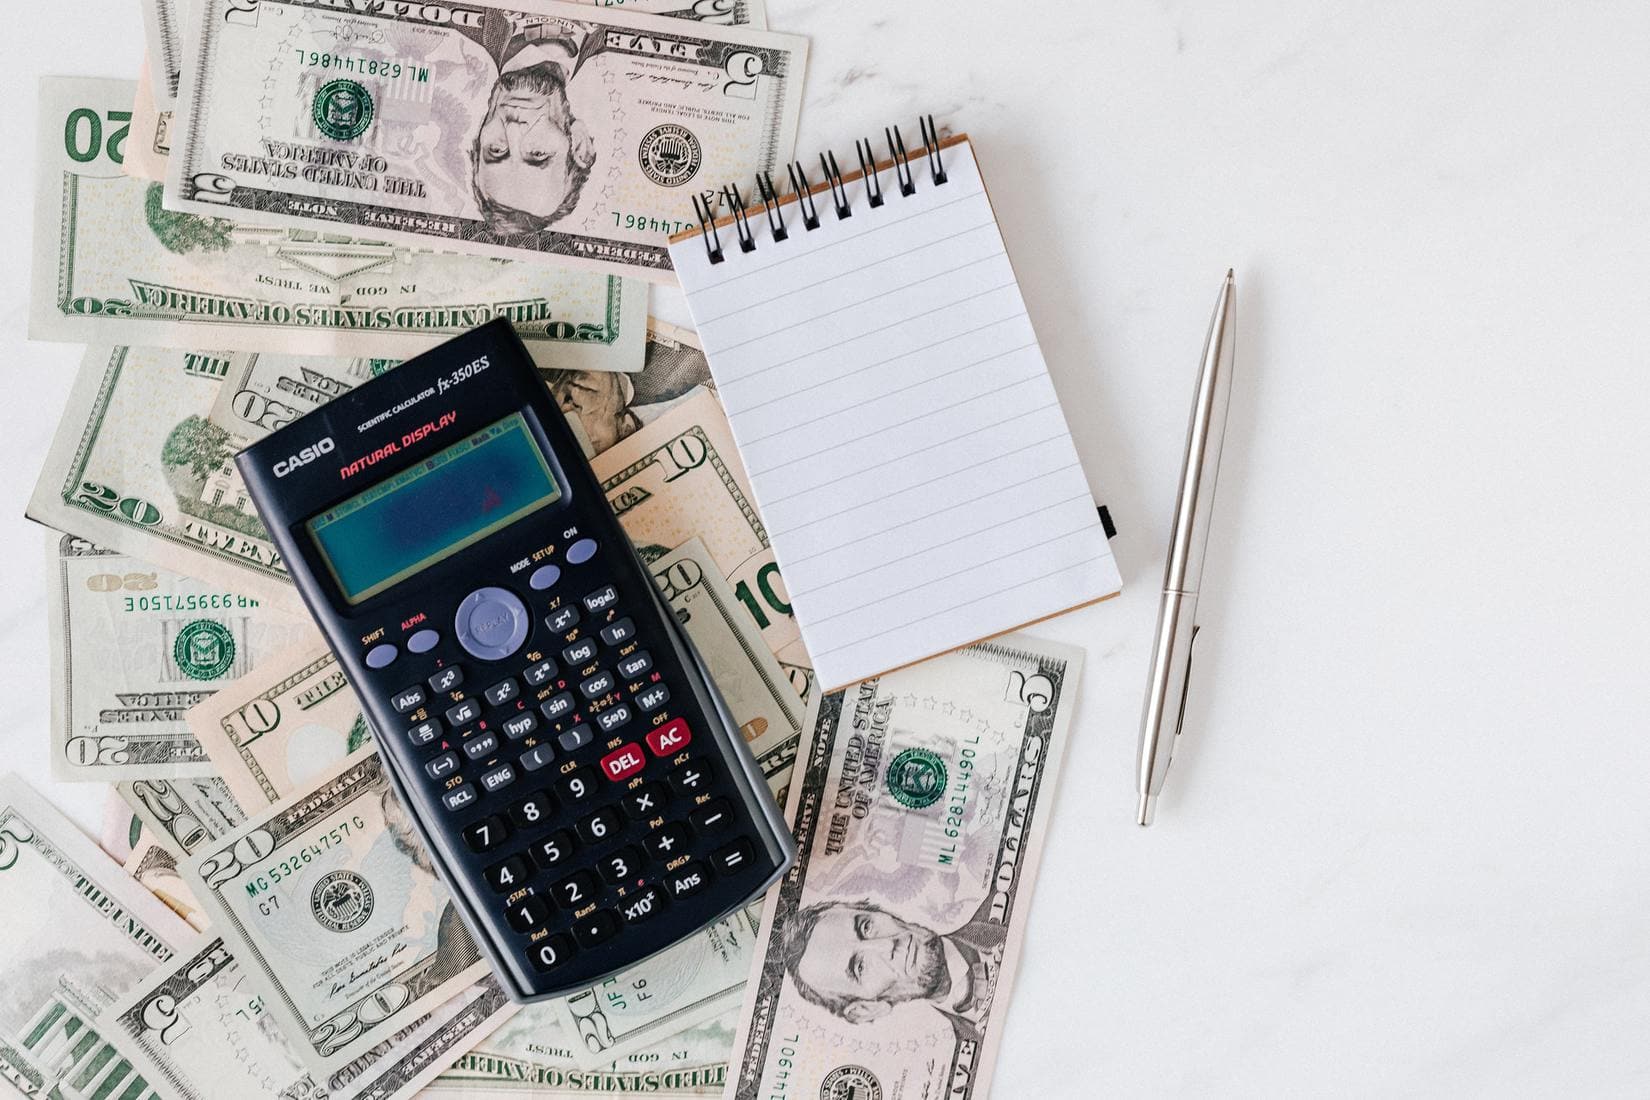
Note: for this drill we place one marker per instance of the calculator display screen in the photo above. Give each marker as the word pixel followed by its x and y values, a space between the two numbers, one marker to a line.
pixel 428 512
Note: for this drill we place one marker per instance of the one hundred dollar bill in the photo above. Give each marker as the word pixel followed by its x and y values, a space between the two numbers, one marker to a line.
pixel 919 805
pixel 133 647
pixel 78 934
pixel 181 815
pixel 197 1025
pixel 757 691
pixel 332 906
pixel 136 466
pixel 531 1057
pixel 112 265
pixel 156 869
pixel 539 128
pixel 273 732
pixel 680 477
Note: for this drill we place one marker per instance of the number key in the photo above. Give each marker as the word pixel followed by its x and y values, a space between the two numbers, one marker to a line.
pixel 506 876
pixel 532 810
pixel 577 785
pixel 601 825
pixel 597 928
pixel 486 834
pixel 555 849
pixel 576 890
pixel 550 953
pixel 619 866
pixel 527 914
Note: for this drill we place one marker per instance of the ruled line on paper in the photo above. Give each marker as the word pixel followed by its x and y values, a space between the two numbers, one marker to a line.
pixel 881 294
pixel 919 418
pixel 720 385
pixel 876 503
pixel 905 256
pixel 920 450
pixel 964 571
pixel 836 379
pixel 861 639
pixel 904 557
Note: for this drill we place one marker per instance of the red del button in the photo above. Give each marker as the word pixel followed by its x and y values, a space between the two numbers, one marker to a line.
pixel 624 761
pixel 671 737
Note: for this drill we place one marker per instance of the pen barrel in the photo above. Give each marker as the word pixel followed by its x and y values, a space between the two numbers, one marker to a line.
pixel 1194 503
pixel 1166 689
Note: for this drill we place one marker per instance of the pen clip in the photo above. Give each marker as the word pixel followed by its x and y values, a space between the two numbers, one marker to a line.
pixel 1186 684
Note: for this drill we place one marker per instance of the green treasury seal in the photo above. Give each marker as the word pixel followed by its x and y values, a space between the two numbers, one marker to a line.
pixel 341 901
pixel 850 1083
pixel 343 110
pixel 204 649
pixel 916 778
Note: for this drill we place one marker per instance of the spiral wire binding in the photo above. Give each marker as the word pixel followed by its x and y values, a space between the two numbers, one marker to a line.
pixel 804 197
pixel 741 224
pixel 839 190
pixel 770 203
pixel 902 161
pixel 707 229
pixel 931 138
pixel 868 170
pixel 804 192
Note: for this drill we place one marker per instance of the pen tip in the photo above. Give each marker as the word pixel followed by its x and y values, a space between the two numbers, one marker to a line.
pixel 1148 804
pixel 1228 274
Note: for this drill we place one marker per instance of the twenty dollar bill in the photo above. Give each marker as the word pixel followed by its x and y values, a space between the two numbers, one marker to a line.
pixel 134 646
pixel 112 265
pixel 331 904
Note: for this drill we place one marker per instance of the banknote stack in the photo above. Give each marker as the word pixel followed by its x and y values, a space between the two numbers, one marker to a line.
pixel 293 197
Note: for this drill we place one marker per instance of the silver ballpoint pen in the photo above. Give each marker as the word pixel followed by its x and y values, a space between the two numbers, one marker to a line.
pixel 1177 614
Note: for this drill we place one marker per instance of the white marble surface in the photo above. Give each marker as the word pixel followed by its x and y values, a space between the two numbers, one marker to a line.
pixel 1403 851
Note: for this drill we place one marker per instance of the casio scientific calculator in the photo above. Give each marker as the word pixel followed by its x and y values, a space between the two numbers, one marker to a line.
pixel 581 786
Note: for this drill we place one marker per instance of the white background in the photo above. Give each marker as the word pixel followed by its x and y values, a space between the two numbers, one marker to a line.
pixel 1403 850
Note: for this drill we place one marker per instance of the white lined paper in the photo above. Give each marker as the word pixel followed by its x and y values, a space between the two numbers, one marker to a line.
pixel 896 419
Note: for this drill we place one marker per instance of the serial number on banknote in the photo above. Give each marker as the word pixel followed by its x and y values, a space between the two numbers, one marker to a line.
pixel 371 66
pixel 297 861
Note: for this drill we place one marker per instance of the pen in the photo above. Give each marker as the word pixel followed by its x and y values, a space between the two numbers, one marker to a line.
pixel 1177 613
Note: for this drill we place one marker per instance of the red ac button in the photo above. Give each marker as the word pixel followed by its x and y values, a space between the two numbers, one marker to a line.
pixel 671 737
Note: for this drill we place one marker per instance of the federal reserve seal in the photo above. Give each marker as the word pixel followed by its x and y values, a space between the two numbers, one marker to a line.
pixel 343 110
pixel 916 778
pixel 670 155
pixel 850 1083
pixel 341 901
pixel 203 649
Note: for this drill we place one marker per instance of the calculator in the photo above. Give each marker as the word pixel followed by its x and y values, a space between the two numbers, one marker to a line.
pixel 582 789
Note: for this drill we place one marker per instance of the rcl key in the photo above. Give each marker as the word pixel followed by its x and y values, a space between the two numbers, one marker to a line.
pixel 624 761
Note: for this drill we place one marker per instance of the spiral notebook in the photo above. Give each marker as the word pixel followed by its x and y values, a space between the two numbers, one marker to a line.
pixel 907 451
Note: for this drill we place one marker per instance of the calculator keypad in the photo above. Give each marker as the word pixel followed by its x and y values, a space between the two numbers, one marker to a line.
pixel 587 809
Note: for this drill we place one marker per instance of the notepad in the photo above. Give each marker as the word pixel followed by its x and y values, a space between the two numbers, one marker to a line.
pixel 908 454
